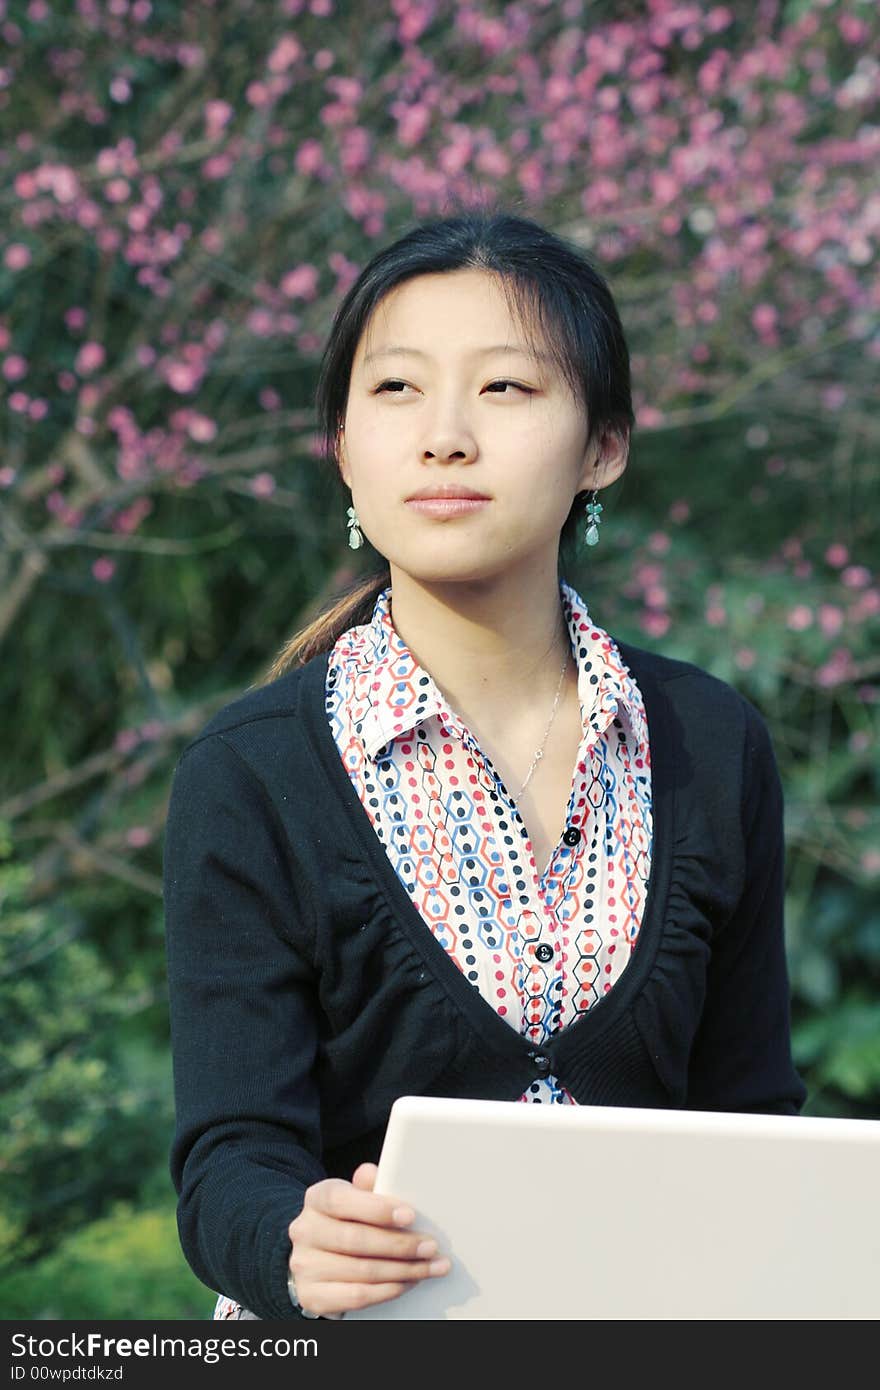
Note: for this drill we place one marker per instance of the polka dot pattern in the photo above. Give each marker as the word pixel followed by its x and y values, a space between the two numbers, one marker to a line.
pixel 541 949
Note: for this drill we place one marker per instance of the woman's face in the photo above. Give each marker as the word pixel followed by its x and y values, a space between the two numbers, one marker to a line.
pixel 443 390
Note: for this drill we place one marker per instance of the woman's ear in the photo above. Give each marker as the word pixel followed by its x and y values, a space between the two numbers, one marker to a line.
pixel 605 459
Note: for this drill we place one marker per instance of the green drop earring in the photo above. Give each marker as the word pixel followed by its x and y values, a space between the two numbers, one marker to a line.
pixel 594 514
pixel 355 535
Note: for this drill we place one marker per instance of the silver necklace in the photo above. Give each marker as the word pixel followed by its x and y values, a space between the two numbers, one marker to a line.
pixel 540 753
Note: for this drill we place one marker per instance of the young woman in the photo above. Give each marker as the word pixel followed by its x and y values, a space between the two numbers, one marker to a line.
pixel 461 842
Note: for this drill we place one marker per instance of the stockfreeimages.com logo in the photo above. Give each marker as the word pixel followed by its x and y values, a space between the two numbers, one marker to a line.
pixel 88 1346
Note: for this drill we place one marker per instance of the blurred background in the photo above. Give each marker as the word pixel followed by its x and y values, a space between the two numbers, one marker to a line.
pixel 187 192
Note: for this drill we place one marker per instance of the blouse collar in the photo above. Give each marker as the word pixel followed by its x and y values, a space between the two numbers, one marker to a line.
pixel 397 682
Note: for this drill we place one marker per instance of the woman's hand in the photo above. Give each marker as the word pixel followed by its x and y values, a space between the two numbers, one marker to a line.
pixel 349 1248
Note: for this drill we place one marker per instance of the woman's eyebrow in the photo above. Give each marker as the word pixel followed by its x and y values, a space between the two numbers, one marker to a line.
pixel 396 350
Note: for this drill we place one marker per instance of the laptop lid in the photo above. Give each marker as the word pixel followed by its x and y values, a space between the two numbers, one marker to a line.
pixel 588 1212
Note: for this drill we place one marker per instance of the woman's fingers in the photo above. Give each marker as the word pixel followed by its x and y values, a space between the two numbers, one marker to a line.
pixel 364 1176
pixel 331 1300
pixel 350 1248
pixel 326 1267
pixel 358 1238
pixel 341 1199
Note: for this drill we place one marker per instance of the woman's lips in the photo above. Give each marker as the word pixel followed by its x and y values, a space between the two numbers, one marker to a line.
pixel 447 506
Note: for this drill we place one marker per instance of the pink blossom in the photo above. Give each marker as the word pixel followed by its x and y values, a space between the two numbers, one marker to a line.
pixel 138 836
pixel 262 485
pixel 183 377
pixel 856 576
pixel 680 511
pixel 261 322
pixel 301 283
pixel 16 256
pixel 269 398
pixel 799 618
pixel 201 428
pixel 14 367
pixel 19 402
pixel 287 51
pixel 852 29
pixel 765 317
pixel 212 240
pixel 870 862
pixel 104 569
pixel 354 150
pixel 836 555
pixel 830 619
pixel 658 543
pixel 117 190
pixel 745 658
pixel 25 185
pixel 412 123
pixel 836 670
pixel 656 624
pixel 129 520
pixel 664 187
pixel 257 94
pixel 217 115
pixel 648 574
pixel 309 158
pixel 217 166
pixel 866 606
pixel 715 615
pixel 90 357
pixel 127 740
pixel 656 596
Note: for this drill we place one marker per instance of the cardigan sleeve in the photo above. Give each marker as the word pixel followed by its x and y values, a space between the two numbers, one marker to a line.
pixel 243 1028
pixel 741 1059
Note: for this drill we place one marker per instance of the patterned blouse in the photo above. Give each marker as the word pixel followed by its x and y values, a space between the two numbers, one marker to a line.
pixel 541 948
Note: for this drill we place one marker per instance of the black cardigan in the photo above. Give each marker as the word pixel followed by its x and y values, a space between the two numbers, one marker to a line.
pixel 307 994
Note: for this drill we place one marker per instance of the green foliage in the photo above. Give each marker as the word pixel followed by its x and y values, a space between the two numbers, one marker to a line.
pixel 85 1104
pixel 126 1266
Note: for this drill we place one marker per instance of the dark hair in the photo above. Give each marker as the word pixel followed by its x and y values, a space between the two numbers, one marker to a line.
pixel 553 291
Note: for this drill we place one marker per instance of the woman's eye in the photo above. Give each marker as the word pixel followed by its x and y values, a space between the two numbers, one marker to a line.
pixel 528 389
pixel 385 384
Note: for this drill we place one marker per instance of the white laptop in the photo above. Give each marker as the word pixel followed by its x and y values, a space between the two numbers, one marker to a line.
pixel 588 1212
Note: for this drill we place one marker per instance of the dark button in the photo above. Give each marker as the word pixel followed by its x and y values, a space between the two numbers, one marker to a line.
pixel 541 1062
pixel 544 952
pixel 571 835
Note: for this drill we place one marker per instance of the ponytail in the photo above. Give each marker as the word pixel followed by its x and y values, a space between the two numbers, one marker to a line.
pixel 352 609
